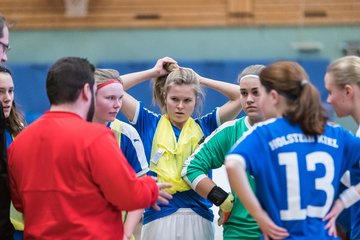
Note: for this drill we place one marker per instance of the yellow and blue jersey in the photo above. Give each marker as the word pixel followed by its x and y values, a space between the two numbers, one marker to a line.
pixel 145 122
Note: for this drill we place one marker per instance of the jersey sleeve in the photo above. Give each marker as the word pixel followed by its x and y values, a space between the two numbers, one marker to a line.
pixel 116 179
pixel 352 150
pixel 249 148
pixel 209 155
pixel 209 122
pixel 133 149
pixel 145 123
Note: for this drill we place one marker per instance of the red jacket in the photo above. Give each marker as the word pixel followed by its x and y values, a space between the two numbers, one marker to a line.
pixel 71 180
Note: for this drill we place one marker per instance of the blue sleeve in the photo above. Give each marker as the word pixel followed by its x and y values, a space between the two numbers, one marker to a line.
pixel 247 146
pixel 352 153
pixel 209 122
pixel 133 149
pixel 9 138
pixel 145 123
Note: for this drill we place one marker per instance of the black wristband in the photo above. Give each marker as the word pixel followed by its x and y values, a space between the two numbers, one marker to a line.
pixel 217 195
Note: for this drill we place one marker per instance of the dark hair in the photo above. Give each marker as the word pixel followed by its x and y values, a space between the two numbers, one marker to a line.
pixel 3 23
pixel 250 70
pixel 67 77
pixel 16 121
pixel 290 80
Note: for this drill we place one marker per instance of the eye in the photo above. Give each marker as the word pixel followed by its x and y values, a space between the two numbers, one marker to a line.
pixel 243 93
pixel 110 97
pixel 256 93
pixel 188 100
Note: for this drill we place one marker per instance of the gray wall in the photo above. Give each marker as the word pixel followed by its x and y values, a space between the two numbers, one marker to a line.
pixel 187 44
pixel 182 44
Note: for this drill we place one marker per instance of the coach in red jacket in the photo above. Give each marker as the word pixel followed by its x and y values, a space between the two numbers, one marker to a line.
pixel 68 176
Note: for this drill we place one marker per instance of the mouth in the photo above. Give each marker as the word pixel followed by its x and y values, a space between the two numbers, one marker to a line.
pixel 251 108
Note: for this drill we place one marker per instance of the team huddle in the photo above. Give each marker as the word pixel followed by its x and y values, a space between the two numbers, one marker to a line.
pixel 77 172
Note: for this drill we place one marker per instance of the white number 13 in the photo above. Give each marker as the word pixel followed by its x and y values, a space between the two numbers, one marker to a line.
pixel 294 211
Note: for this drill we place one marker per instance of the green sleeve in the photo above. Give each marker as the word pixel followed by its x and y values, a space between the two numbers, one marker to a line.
pixel 210 154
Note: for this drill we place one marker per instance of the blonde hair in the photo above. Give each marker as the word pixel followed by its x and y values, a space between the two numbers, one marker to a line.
pixel 176 76
pixel 104 75
pixel 345 70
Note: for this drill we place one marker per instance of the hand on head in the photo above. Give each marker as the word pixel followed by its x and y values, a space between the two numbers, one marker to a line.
pixel 160 67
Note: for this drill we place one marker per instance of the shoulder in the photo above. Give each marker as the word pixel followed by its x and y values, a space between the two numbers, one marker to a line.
pixel 128 130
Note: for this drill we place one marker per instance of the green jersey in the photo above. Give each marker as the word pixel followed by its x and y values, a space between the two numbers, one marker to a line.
pixel 211 155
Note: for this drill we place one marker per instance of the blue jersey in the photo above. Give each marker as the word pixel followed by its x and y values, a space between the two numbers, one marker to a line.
pixel 131 146
pixel 8 138
pixel 355 209
pixel 297 176
pixel 145 122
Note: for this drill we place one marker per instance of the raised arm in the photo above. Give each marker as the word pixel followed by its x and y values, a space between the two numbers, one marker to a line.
pixel 129 103
pixel 230 109
pixel 235 167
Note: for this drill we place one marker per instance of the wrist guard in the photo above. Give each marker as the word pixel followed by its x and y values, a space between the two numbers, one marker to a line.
pixel 217 195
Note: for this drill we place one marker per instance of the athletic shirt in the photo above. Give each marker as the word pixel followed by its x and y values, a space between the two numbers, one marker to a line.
pixel 210 155
pixel 16 217
pixel 297 176
pixel 131 145
pixel 145 122
pixel 355 209
pixel 9 138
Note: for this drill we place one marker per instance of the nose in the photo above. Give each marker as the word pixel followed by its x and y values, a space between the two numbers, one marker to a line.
pixel 118 103
pixel 250 99
pixel 4 57
pixel 7 97
pixel 180 105
pixel 328 99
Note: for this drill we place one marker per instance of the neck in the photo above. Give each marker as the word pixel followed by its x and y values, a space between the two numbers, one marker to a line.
pixel 97 120
pixel 69 108
pixel 356 111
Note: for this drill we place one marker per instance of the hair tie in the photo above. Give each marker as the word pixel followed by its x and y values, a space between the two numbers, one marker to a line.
pixel 303 82
pixel 249 75
pixel 107 83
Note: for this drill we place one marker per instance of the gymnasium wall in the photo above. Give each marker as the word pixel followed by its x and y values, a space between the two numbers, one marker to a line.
pixel 218 53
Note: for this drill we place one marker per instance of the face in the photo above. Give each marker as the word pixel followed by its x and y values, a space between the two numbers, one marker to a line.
pixel 267 104
pixel 249 96
pixel 180 103
pixel 337 97
pixel 6 92
pixel 108 102
pixel 4 44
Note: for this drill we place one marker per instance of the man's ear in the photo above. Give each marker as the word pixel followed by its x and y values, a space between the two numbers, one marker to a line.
pixel 86 92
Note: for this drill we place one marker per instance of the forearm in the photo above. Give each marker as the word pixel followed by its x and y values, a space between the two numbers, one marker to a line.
pixel 240 184
pixel 231 91
pixel 232 108
pixel 204 187
pixel 132 219
pixel 350 196
pixel 132 79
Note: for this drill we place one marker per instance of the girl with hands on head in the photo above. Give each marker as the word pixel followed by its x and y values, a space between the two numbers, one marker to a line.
pixel 170 137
